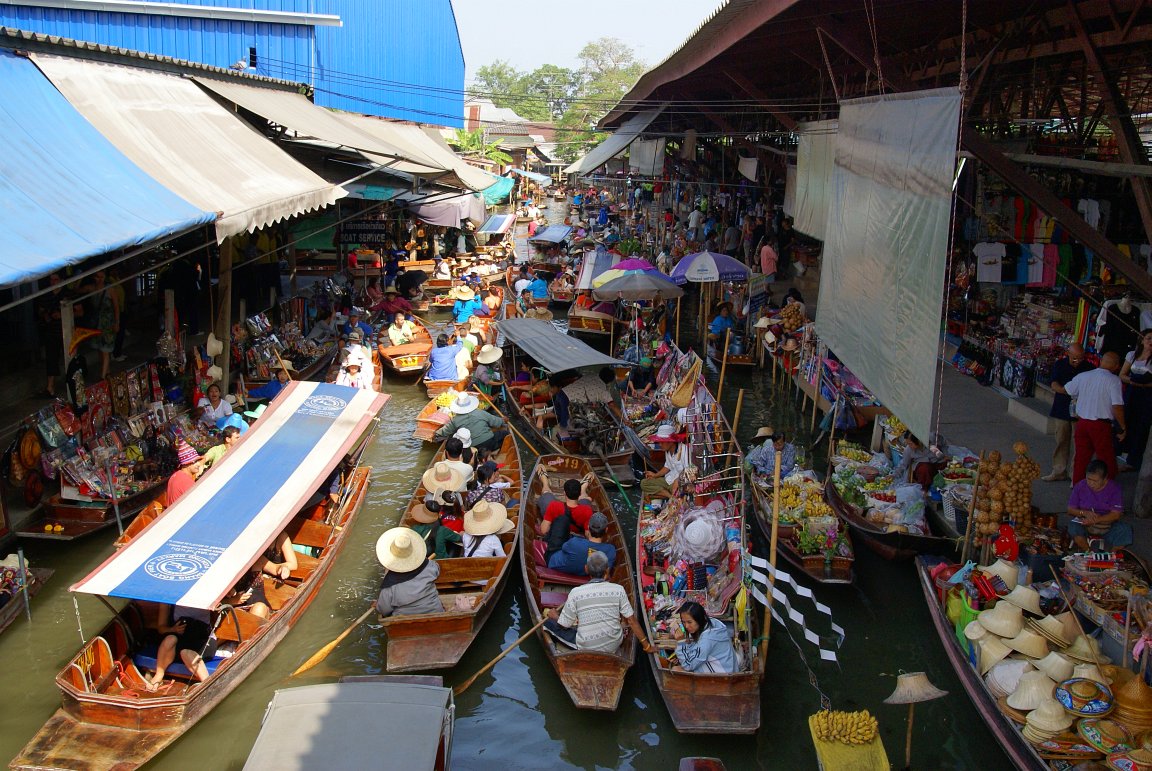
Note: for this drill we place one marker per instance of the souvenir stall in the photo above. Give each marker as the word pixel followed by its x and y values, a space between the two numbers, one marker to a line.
pixel 260 346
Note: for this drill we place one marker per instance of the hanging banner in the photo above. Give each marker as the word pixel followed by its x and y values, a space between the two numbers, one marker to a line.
pixel 646 157
pixel 815 155
pixel 747 168
pixel 885 252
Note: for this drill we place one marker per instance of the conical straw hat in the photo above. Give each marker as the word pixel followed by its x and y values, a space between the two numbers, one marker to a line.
pixel 1025 597
pixel 1134 697
pixel 1005 676
pixel 1004 619
pixel 1034 689
pixel 991 650
pixel 1007 571
pixel 1086 649
pixel 1090 672
pixel 1051 628
pixel 1049 716
pixel 1029 643
pixel 913 688
pixel 1056 666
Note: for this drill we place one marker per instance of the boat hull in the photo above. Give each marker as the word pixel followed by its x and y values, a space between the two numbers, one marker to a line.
pixel 890 546
pixel 839 572
pixel 15 606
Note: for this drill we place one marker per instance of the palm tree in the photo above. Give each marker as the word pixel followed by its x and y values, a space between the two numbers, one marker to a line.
pixel 473 143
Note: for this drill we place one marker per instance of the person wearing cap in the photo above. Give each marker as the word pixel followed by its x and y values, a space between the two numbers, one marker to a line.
pixel 707 643
pixel 401 331
pixel 409 584
pixel 189 466
pixel 486 430
pixel 595 613
pixel 442 359
pixel 212 406
pixel 1096 506
pixel 353 346
pixel 352 374
pixel 212 456
pixel 573 555
pixel 354 322
pixel 762 460
pixel 483 526
pixel 436 525
pixel 466 304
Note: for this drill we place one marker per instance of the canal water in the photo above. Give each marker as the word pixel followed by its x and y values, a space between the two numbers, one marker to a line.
pixel 517 716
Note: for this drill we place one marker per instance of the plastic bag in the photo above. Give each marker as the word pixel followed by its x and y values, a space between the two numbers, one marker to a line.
pixel 880 461
pixel 907 493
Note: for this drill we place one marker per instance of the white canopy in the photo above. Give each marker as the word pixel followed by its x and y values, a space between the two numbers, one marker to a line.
pixel 191 144
pixel 628 132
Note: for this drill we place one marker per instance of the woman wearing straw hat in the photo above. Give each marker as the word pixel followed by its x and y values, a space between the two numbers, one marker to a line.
pixel 213 406
pixel 466 304
pixel 436 524
pixel 483 526
pixel 487 374
pixel 352 373
pixel 487 430
pixel 409 585
pixel 189 467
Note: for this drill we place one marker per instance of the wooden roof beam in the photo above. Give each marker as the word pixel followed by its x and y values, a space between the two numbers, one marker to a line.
pixel 748 88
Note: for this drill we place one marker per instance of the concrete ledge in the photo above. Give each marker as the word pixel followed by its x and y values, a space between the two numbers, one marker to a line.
pixel 1033 413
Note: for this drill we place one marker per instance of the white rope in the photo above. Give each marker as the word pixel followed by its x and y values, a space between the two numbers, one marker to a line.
pixel 828 64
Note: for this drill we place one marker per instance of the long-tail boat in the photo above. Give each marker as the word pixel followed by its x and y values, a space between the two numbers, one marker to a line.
pixel 584 317
pixel 192 556
pixel 36 578
pixel 837 571
pixel 469 589
pixel 592 679
pixel 891 545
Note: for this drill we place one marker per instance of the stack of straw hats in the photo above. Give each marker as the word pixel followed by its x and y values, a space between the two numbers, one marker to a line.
pixel 1134 705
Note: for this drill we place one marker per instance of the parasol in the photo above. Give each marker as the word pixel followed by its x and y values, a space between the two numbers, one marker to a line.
pixel 635 263
pixel 626 268
pixel 637 285
pixel 704 267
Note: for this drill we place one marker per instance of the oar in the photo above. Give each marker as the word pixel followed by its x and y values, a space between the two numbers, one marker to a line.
pixel 619 486
pixel 464 685
pixel 512 428
pixel 322 654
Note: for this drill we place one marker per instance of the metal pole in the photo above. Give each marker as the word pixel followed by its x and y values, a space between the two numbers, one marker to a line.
pixel 678 299
pixel 23 582
pixel 723 366
pixel 772 557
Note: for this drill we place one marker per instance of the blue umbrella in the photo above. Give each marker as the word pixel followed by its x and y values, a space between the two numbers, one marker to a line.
pixel 704 267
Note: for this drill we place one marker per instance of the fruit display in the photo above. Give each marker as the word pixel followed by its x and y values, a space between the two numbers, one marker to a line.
pixel 1005 492
pixel 853 452
pixel 792 317
pixel 896 426
pixel 845 727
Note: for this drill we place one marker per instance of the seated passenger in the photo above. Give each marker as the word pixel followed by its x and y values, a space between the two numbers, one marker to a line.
pixel 707 645
pixel 433 527
pixel 574 553
pixel 278 561
pixel 591 617
pixel 483 526
pixel 409 585
pixel 488 485
pixel 1096 508
pixel 562 518
pixel 442 359
pixel 190 635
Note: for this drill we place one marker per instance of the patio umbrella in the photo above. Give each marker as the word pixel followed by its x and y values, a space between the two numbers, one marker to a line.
pixel 704 267
pixel 626 268
pixel 635 263
pixel 637 285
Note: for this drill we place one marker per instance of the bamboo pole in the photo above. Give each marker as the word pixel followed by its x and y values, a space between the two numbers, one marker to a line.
pixel 735 425
pixel 971 512
pixel 723 366
pixel 815 401
pixel 677 336
pixel 771 558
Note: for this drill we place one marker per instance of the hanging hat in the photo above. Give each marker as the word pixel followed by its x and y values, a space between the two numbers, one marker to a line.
pixel 1004 619
pixel 256 411
pixel 913 688
pixel 214 373
pixel 991 651
pixel 230 398
pixel 401 550
pixel 790 344
pixel 489 354
pixel 487 518
pixel 1086 649
pixel 465 292
pixel 185 455
pixel 1007 572
pixel 1051 628
pixel 442 476
pixel 213 346
pixel 1029 643
pixel 1048 716
pixel 1056 666
pixel 541 314
pixel 464 403
pixel 1027 598
pixel 421 513
pixel 764 432
pixel 1034 689
pixel 464 435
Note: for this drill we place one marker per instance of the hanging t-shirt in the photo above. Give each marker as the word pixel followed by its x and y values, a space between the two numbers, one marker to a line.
pixel 989 258
pixel 1120 330
pixel 1036 265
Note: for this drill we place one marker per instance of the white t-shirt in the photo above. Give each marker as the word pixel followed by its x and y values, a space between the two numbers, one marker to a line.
pixel 1141 367
pixel 1096 393
pixel 490 546
pixel 210 415
pixel 521 285
pixel 1036 263
pixel 989 256
pixel 695 219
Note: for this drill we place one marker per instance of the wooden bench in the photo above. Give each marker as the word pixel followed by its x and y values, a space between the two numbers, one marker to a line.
pixel 305 532
pixel 467 569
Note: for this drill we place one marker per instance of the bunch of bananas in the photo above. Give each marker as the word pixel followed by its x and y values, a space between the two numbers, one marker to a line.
pixel 817 508
pixel 845 727
pixel 896 425
pixel 789 496
pixel 445 399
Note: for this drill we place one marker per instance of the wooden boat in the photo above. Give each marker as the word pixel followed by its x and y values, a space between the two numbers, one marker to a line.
pixel 512 274
pixel 109 719
pixel 436 387
pixel 14 608
pixel 1018 749
pixel 81 518
pixel 582 320
pixel 431 418
pixel 352 719
pixel 150 512
pixel 317 369
pixel 560 296
pixel 406 359
pixel 592 679
pixel 438 640
pixel 889 545
pixel 839 571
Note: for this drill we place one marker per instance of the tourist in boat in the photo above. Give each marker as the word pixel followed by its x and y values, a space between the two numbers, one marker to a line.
pixel 526 277
pixel 564 518
pixel 538 287
pixel 188 634
pixel 489 484
pixel 485 429
pixel 483 526
pixel 189 467
pixel 573 555
pixel 444 477
pixel 273 387
pixel 437 526
pixel 355 317
pixel 392 303
pixel 453 454
pixel 666 480
pixel 401 331
pixel 352 373
pixel 722 323
pixel 353 346
pixel 324 328
pixel 409 584
pixel 1096 507
pixel 492 301
pixel 277 562
pixel 442 271
pixel 466 304
pixel 231 435
pixel 707 646
pixel 594 614
pixel 442 359
pixel 212 406
pixel 762 460
pixel 563 282
pixel 918 464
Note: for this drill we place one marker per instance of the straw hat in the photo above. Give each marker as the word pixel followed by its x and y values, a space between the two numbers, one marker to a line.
pixel 1093 672
pixel 1067 619
pixel 401 550
pixel 1086 649
pixel 913 688
pixel 700 540
pixel 185 455
pixel 230 398
pixel 213 346
pixel 1056 666
pixel 464 403
pixel 464 292
pixel 1139 759
pixel 762 323
pixel 1083 697
pixel 1007 572
pixel 1004 678
pixel 214 373
pixel 442 476
pixel 487 518
pixel 973 631
pixel 421 513
pixel 1002 619
pixel 1052 629
pixel 790 344
pixel 1048 716
pixel 541 314
pixel 489 354
pixel 1104 734
pixel 1134 703
pixel 1034 689
pixel 764 432
pixel 1029 643
pixel 464 435
pixel 1027 598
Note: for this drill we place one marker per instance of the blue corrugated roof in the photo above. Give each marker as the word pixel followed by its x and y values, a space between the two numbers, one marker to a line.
pixel 66 193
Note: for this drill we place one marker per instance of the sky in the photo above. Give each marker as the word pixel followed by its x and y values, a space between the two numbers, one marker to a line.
pixel 553 31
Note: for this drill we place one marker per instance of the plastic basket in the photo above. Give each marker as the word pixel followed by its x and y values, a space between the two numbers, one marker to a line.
pixel 967 616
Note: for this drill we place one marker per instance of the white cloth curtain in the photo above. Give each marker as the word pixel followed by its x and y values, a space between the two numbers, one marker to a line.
pixel 646 157
pixel 815 154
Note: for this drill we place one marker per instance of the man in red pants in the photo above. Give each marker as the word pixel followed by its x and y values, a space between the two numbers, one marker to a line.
pixel 1099 401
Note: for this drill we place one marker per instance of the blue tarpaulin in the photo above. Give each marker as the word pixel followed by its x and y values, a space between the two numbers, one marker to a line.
pixel 543 179
pixel 499 191
pixel 66 193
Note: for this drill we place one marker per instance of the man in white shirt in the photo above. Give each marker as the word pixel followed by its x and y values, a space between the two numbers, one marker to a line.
pixel 695 220
pixel 1099 400
pixel 522 283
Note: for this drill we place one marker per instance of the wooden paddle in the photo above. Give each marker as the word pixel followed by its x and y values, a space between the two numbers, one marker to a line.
pixel 322 654
pixel 619 486
pixel 507 422
pixel 459 689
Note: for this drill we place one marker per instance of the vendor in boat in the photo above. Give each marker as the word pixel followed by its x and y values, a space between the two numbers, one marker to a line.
pixel 762 460
pixel 409 584
pixel 563 282
pixel 524 302
pixel 707 646
pixel 573 555
pixel 231 435
pixel 487 373
pixel 273 387
pixel 442 359
pixel 392 303
pixel 352 373
pixel 213 406
pixel 189 468
pixel 560 412
pixel 187 633
pixel 722 323
pixel 486 430
pixel 607 376
pixel 1096 507
pixel 594 615
pixel 666 481
pixel 923 463
pixel 324 328
pixel 401 331
pixel 355 321
pixel 466 304
pixel 483 526
pixel 277 562
pixel 641 380
pixel 437 525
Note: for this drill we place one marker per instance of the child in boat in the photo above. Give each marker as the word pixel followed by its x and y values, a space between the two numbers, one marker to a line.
pixel 707 646
pixel 190 635
pixel 433 526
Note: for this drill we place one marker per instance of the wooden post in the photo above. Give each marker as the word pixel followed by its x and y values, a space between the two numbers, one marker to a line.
pixel 723 366
pixel 971 513
pixel 170 312
pixel 735 424
pixel 815 404
pixel 292 257
pixel 908 737
pixel 68 328
pixel 771 557
pixel 677 336
pixel 223 321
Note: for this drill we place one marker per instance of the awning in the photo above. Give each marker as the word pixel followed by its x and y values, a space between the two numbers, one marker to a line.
pixel 552 349
pixel 595 262
pixel 190 143
pixel 66 193
pixel 446 209
pixel 497 223
pixel 499 192
pixel 543 179
pixel 553 234
pixel 194 554
pixel 615 144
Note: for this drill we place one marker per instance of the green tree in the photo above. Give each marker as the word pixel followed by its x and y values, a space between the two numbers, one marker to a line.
pixel 472 143
pixel 497 81
pixel 547 92
pixel 608 69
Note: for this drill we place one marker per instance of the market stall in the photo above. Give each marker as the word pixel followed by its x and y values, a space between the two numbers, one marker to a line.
pixel 260 347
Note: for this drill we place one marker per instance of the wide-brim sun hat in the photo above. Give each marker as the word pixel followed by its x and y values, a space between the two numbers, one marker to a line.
pixel 1051 628
pixel 489 354
pixel 1007 572
pixel 422 515
pixel 487 518
pixel 1029 643
pixel 442 476
pixel 464 403
pixel 465 292
pixel 1026 598
pixel 991 650
pixel 1003 619
pixel 464 435
pixel 1034 689
pixel 1056 666
pixel 540 314
pixel 1048 716
pixel 401 550
pixel 1086 649
pixel 764 432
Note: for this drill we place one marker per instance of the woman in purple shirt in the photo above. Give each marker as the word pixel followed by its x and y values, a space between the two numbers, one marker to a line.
pixel 1096 507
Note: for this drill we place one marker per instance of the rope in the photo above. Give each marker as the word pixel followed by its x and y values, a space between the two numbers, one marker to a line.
pixel 828 63
pixel 870 12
